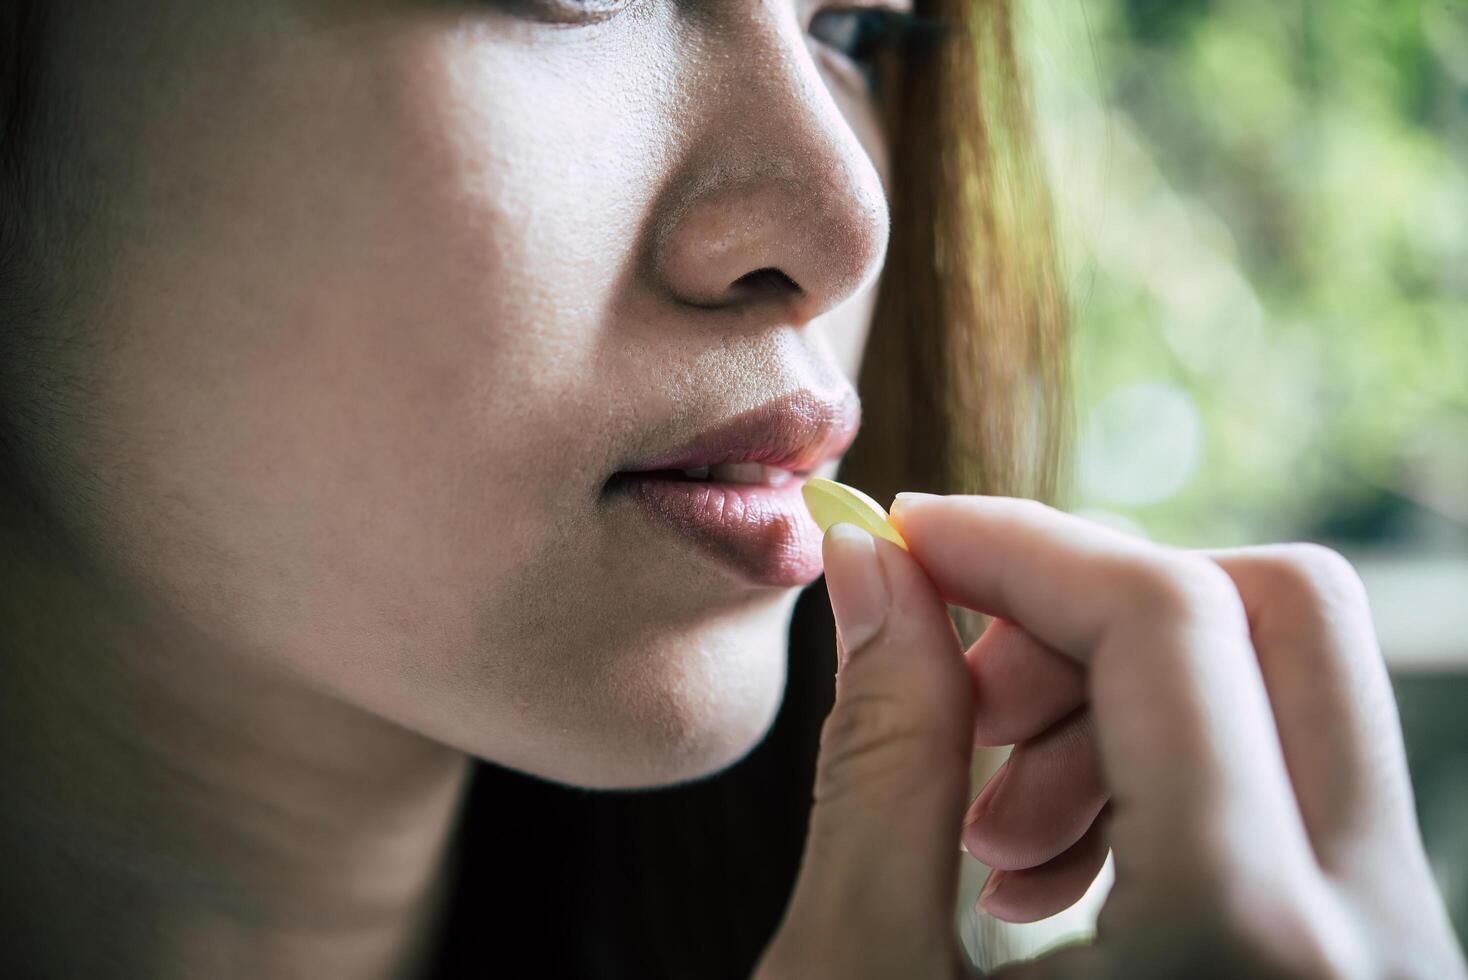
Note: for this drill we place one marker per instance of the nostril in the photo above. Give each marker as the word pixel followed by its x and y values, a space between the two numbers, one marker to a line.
pixel 767 281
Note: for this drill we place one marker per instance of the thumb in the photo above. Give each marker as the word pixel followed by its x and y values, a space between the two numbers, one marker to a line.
pixel 880 870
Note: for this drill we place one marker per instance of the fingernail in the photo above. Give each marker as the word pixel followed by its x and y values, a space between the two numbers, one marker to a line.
pixel 996 878
pixel 857 586
pixel 985 799
pixel 913 496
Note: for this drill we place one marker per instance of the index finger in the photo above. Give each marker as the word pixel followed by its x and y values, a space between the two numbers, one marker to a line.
pixel 1183 725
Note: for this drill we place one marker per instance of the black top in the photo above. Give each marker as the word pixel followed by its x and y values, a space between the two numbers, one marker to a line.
pixel 686 882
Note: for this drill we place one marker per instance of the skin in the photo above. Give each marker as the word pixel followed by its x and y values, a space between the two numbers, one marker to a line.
pixel 389 290
pixel 1222 720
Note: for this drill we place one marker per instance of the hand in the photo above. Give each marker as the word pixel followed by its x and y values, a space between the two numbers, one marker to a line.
pixel 1221 720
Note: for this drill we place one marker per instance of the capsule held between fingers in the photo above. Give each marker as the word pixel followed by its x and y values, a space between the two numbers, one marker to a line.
pixel 830 502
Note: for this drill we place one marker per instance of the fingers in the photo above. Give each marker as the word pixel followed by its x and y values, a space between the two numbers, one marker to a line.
pixel 1021 686
pixel 1036 893
pixel 893 770
pixel 1332 700
pixel 1041 801
pixel 1184 729
pixel 1342 743
pixel 1189 660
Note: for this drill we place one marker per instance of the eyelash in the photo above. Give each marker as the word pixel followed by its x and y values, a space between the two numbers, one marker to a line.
pixel 865 36
pixel 871 34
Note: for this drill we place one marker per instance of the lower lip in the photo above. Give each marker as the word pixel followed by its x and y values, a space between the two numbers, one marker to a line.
pixel 764 532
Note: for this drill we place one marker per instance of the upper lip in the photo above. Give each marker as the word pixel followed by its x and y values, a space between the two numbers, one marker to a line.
pixel 797 432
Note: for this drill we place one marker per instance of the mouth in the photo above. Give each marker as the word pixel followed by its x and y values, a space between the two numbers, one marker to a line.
pixel 735 474
pixel 733 491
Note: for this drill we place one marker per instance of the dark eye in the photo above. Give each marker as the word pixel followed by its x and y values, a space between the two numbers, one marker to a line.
pixel 866 35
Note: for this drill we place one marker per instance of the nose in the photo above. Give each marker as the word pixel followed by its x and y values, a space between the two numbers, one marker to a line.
pixel 777 204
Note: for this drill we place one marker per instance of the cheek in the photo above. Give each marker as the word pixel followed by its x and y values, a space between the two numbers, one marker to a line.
pixel 352 375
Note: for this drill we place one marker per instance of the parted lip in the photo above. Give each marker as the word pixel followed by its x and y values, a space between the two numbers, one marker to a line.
pixel 797 432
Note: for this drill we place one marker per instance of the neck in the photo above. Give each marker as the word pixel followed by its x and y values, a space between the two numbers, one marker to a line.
pixel 172 809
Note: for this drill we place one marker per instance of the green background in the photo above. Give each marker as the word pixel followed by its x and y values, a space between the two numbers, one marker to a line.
pixel 1264 213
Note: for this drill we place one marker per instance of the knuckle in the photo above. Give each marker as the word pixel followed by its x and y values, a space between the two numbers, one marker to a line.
pixel 869 741
pixel 1311 599
pixel 1177 585
pixel 1316 575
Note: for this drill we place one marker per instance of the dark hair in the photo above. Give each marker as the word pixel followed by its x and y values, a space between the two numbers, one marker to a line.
pixel 20 66
pixel 20 24
pixel 964 391
pixel 46 197
pixel 20 306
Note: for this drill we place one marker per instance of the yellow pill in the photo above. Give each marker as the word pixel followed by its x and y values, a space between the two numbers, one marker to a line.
pixel 830 503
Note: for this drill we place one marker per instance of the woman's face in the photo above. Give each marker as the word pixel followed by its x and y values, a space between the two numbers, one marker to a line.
pixel 396 287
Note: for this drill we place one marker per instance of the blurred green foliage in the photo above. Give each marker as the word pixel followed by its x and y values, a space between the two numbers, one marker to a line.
pixel 1264 219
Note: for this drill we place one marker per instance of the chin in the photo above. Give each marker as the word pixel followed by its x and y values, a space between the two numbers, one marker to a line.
pixel 681 710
